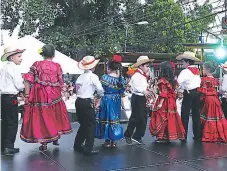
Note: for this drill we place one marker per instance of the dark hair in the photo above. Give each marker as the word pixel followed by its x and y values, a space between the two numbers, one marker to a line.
pixel 48 51
pixel 191 62
pixel 114 66
pixel 209 66
pixel 166 72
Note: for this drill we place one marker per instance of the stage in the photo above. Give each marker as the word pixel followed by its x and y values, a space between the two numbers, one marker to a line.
pixel 193 156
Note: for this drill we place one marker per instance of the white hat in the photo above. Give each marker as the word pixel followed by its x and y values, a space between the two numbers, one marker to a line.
pixel 88 62
pixel 142 60
pixel 188 55
pixel 9 51
pixel 224 66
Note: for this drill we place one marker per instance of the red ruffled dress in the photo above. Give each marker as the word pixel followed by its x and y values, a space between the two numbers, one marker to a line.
pixel 212 118
pixel 46 116
pixel 165 122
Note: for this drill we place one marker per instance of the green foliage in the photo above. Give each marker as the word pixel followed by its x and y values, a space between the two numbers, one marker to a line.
pixel 99 26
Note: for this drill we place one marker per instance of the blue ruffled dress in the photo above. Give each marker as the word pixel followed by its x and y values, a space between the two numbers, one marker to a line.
pixel 108 117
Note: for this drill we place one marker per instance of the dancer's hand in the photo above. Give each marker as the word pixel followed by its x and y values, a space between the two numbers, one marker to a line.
pixel 159 106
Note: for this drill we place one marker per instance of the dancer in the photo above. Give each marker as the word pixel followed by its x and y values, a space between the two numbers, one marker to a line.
pixel 108 117
pixel 189 80
pixel 138 118
pixel 213 122
pixel 165 121
pixel 86 85
pixel 45 116
pixel 223 90
pixel 11 83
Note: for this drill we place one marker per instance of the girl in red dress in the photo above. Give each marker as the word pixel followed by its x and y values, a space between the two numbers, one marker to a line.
pixel 165 121
pixel 214 124
pixel 46 116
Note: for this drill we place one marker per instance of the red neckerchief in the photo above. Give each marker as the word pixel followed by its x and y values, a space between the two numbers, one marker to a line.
pixel 142 73
pixel 194 70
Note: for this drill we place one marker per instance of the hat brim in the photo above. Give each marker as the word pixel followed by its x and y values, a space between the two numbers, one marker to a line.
pixel 87 67
pixel 6 55
pixel 181 57
pixel 136 65
pixel 224 66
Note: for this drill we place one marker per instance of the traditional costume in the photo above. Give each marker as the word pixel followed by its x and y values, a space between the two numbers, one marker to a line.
pixel 86 85
pixel 189 80
pixel 223 89
pixel 45 117
pixel 11 83
pixel 165 122
pixel 108 125
pixel 213 122
pixel 138 118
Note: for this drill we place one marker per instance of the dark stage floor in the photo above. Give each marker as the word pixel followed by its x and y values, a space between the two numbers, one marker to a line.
pixel 192 156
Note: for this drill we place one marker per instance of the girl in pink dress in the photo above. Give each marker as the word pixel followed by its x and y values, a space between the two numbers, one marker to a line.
pixel 46 116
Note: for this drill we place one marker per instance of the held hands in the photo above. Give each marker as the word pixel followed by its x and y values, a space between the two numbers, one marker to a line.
pixel 159 106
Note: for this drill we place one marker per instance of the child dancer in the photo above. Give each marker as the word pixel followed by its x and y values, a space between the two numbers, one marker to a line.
pixel 224 90
pixel 213 122
pixel 165 122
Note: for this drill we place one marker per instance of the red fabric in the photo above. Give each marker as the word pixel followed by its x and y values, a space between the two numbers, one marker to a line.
pixel 46 116
pixel 173 65
pixel 212 117
pixel 165 122
pixel 142 73
pixel 194 70
pixel 117 58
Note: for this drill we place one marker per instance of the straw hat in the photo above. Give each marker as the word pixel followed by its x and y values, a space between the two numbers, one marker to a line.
pixel 9 51
pixel 188 55
pixel 224 66
pixel 142 60
pixel 88 62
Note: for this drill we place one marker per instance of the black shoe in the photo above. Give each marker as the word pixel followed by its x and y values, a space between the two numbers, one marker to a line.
pixel 138 141
pixel 90 153
pixel 183 140
pixel 128 140
pixel 9 151
pixel 197 139
pixel 79 149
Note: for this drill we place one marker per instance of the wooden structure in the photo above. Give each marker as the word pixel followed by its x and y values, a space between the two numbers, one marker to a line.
pixel 132 57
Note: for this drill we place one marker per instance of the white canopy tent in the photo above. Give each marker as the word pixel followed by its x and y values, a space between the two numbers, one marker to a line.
pixel 31 55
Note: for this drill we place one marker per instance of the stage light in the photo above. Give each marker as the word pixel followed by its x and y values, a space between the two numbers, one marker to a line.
pixel 220 52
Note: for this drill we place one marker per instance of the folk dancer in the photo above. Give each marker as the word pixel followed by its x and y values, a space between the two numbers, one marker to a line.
pixel 189 80
pixel 86 85
pixel 223 90
pixel 11 83
pixel 138 118
pixel 165 121
pixel 45 117
pixel 213 122
pixel 108 125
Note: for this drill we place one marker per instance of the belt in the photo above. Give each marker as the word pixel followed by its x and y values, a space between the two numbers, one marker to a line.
pixel 9 95
pixel 84 98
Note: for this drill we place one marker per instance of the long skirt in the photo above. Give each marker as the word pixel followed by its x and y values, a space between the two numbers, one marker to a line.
pixel 108 118
pixel 213 121
pixel 165 122
pixel 45 116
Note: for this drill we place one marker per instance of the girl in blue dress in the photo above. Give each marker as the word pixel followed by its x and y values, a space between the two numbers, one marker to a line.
pixel 108 116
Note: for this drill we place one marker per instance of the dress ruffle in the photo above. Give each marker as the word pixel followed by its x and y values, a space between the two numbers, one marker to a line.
pixel 45 116
pixel 108 117
pixel 166 122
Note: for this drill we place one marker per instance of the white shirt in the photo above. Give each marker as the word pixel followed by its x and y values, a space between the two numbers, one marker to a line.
pixel 187 80
pixel 224 86
pixel 11 81
pixel 87 83
pixel 138 83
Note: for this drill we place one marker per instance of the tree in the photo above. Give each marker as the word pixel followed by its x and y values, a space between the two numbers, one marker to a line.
pixel 99 26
